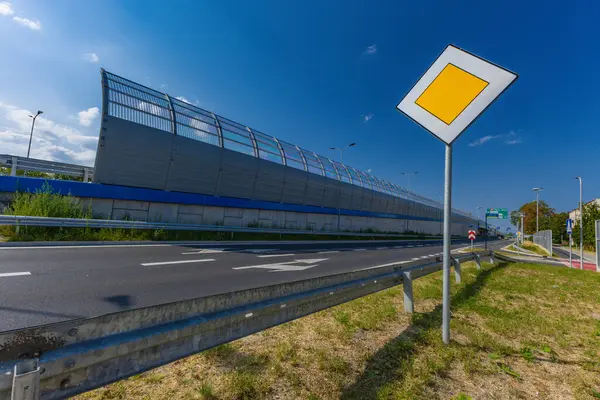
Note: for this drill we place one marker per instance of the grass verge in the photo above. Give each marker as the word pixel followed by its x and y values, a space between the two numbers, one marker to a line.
pixel 534 248
pixel 518 331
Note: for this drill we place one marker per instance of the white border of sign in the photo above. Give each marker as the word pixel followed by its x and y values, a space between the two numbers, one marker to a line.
pixel 498 78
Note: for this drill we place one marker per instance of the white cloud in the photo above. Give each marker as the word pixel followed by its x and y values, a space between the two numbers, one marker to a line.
pixel 86 117
pixel 35 25
pixel 368 117
pixel 91 57
pixel 372 49
pixel 151 108
pixel 181 98
pixel 509 138
pixel 51 141
pixel 6 8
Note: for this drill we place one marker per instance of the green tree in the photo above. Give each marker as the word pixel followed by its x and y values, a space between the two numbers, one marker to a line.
pixel 558 225
pixel 591 213
pixel 545 216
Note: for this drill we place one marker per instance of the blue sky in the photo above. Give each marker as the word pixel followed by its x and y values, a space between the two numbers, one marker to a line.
pixel 322 74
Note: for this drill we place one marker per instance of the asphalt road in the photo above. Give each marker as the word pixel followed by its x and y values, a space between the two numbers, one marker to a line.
pixel 39 285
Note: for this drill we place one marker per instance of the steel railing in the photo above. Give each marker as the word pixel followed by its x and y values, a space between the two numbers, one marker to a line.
pixel 544 240
pixel 63 359
pixel 51 167
pixel 21 221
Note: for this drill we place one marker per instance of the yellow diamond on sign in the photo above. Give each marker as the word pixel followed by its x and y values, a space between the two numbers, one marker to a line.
pixel 450 93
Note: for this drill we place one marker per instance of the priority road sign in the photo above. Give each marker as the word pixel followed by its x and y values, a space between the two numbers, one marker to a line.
pixel 453 92
pixel 450 95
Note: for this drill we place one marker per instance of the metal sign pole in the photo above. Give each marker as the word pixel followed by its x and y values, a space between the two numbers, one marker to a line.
pixel 570 251
pixel 447 235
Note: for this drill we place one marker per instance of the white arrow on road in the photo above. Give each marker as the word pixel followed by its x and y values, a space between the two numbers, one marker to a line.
pixel 288 266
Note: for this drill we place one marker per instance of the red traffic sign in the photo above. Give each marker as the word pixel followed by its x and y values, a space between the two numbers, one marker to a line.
pixel 472 235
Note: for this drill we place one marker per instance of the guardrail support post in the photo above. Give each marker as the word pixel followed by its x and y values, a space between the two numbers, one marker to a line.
pixel 457 273
pixel 26 380
pixel 86 175
pixel 13 167
pixel 478 261
pixel 409 305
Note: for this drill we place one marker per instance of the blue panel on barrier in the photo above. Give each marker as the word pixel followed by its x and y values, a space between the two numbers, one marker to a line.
pixel 97 190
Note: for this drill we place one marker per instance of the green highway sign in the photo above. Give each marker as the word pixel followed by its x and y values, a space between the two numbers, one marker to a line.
pixel 500 213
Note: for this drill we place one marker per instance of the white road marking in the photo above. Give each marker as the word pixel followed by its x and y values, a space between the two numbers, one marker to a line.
pixel 359 249
pixel 258 250
pixel 416 258
pixel 328 252
pixel 287 266
pixel 7 274
pixel 92 246
pixel 410 245
pixel 432 255
pixel 382 248
pixel 275 255
pixel 177 262
pixel 399 247
pixel 382 265
pixel 205 251
pixel 424 256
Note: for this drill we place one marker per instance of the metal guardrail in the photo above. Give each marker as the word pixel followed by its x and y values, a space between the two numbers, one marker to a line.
pixel 544 239
pixel 51 167
pixel 63 359
pixel 19 221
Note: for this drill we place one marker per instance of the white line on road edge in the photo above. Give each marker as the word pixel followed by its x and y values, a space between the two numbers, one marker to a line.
pixel 276 255
pixel 257 250
pixel 382 265
pixel 7 274
pixel 328 252
pixel 93 246
pixel 205 251
pixel 416 258
pixel 359 249
pixel 382 248
pixel 176 262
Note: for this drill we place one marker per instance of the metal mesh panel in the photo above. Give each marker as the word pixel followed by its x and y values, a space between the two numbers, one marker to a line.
pixel 195 123
pixel 312 162
pixel 293 158
pixel 136 103
pixel 356 178
pixel 330 171
pixel 365 180
pixel 267 147
pixel 236 136
pixel 342 171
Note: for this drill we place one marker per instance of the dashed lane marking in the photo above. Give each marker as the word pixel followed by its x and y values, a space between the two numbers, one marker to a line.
pixel 7 274
pixel 177 262
pixel 275 255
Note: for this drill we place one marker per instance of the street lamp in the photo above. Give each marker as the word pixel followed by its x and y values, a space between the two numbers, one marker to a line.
pixel 341 150
pixel 580 221
pixel 408 174
pixel 537 208
pixel 32 125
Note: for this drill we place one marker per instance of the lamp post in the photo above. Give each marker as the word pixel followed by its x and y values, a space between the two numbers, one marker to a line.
pixel 580 221
pixel 341 150
pixel 32 125
pixel 537 208
pixel 408 174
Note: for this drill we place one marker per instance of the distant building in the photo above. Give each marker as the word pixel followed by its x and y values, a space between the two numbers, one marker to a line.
pixel 574 215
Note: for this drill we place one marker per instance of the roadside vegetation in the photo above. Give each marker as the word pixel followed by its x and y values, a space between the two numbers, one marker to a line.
pixel 534 248
pixel 519 331
pixel 47 203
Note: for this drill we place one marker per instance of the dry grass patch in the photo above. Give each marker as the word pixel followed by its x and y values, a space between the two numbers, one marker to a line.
pixel 518 331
